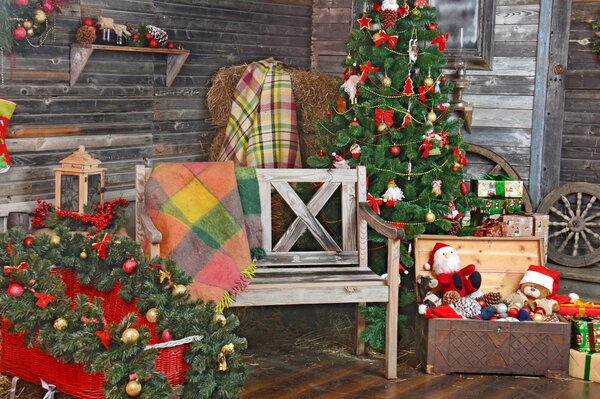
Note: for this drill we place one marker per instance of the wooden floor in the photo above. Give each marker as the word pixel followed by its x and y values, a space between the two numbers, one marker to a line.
pixel 303 375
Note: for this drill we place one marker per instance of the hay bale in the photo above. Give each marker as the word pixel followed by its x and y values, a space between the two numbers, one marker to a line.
pixel 313 91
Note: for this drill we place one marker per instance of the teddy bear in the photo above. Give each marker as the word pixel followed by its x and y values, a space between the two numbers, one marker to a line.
pixel 429 299
pixel 445 263
pixel 537 284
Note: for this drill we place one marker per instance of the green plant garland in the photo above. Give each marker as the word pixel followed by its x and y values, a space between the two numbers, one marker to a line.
pixel 596 42
pixel 151 284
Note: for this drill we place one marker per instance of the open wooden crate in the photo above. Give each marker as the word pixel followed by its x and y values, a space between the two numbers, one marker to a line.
pixel 498 347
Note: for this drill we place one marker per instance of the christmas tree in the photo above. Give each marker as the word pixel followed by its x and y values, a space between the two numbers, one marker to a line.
pixel 393 116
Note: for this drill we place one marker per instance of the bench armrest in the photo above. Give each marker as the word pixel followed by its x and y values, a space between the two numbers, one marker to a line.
pixel 150 231
pixel 146 230
pixel 377 223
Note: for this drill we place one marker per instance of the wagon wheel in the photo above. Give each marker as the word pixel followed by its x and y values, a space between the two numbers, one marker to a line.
pixel 574 233
pixel 501 165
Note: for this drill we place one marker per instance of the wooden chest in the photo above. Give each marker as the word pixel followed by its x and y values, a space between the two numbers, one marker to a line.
pixel 476 346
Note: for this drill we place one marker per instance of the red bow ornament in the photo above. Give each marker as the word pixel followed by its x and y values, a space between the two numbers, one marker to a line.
pixel 391 40
pixel 341 106
pixel 101 246
pixel 43 299
pixel 386 116
pixel 426 147
pixel 403 10
pixel 9 269
pixel 374 203
pixel 460 157
pixel 104 338
pixel 365 69
pixel 441 41
pixel 422 91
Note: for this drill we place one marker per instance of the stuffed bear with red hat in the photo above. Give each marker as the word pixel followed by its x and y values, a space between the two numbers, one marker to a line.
pixel 535 289
pixel 446 265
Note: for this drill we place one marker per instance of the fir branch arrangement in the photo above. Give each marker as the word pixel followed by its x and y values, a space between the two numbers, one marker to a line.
pixel 596 42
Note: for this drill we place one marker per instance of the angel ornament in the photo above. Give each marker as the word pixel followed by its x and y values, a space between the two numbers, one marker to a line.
pixel 351 88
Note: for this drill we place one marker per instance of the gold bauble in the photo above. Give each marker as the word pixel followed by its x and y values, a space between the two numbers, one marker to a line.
pixel 83 255
pixel 27 24
pixel 133 388
pixel 416 12
pixel 431 116
pixel 60 324
pixel 130 336
pixel 179 289
pixel 219 318
pixel 386 81
pixel 376 36
pixel 538 317
pixel 55 240
pixel 348 56
pixel 429 217
pixel 229 348
pixel 152 315
pixel 428 81
pixel 381 127
pixel 30 32
pixel 40 17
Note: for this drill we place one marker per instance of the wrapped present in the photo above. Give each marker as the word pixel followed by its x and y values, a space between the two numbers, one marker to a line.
pixel 498 206
pixel 513 205
pixel 491 228
pixel 586 335
pixel 541 224
pixel 518 225
pixel 580 308
pixel 498 186
pixel 584 365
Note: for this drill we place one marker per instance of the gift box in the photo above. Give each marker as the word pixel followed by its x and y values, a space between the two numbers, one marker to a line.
pixel 584 365
pixel 518 225
pixel 498 186
pixel 491 228
pixel 586 335
pixel 580 308
pixel 541 223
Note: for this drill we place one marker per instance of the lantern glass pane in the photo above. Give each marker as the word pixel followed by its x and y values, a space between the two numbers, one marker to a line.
pixel 94 189
pixel 69 192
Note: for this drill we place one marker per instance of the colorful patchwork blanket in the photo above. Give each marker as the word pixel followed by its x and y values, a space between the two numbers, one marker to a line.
pixel 262 131
pixel 197 208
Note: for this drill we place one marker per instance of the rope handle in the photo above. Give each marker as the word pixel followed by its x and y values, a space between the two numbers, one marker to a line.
pixel 182 341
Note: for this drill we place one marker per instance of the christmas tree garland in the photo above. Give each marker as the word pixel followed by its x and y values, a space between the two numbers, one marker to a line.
pixel 34 302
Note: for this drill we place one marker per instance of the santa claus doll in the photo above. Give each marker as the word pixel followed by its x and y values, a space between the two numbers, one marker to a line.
pixel 446 266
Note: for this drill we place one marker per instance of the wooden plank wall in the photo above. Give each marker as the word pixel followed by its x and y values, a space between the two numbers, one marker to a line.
pixel 120 109
pixel 580 160
pixel 332 23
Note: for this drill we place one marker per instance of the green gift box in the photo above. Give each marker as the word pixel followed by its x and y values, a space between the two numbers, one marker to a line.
pixel 586 335
pixel 584 365
pixel 498 186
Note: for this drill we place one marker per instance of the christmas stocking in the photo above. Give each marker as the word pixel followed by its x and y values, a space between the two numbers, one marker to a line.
pixel 6 110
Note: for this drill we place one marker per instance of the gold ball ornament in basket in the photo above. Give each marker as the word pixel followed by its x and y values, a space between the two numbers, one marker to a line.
pixel 152 315
pixel 386 81
pixel 130 336
pixel 40 17
pixel 133 388
pixel 179 289
pixel 60 324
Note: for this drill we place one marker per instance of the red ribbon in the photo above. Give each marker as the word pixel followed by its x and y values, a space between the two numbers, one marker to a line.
pixel 386 116
pixel 9 269
pixel 422 91
pixel 341 107
pixel 365 69
pixel 100 247
pixel 441 41
pixel 426 147
pixel 398 225
pixel 385 38
pixel 374 203
pixel 43 299
pixel 104 337
pixel 460 157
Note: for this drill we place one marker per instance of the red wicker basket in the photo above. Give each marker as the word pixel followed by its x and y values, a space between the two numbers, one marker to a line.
pixel 31 365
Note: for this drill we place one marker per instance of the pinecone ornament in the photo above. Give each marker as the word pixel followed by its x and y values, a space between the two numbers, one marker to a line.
pixel 454 227
pixel 450 297
pixel 492 298
pixel 468 307
pixel 389 18
pixel 158 34
pixel 85 35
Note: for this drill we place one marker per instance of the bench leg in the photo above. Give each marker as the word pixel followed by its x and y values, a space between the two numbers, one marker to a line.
pixel 360 327
pixel 391 329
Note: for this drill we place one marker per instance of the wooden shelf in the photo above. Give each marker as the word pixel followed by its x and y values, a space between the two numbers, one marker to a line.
pixel 81 53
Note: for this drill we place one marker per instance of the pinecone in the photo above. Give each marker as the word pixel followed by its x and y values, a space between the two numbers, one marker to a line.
pixel 492 298
pixel 454 227
pixel 158 34
pixel 468 307
pixel 389 18
pixel 450 297
pixel 85 35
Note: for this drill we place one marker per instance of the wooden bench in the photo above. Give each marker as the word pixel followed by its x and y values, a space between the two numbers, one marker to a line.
pixel 335 274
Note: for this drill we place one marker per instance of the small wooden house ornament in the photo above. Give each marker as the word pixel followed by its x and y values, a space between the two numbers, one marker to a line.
pixel 79 181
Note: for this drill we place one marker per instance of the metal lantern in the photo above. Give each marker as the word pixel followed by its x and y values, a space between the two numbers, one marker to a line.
pixel 79 181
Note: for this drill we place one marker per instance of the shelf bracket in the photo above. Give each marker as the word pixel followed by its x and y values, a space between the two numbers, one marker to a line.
pixel 174 64
pixel 79 57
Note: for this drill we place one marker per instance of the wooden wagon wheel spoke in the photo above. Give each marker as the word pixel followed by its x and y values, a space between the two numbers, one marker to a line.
pixel 575 221
pixel 589 206
pixel 567 205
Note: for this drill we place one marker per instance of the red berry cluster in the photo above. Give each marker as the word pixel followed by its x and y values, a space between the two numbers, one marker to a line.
pixel 40 213
pixel 101 217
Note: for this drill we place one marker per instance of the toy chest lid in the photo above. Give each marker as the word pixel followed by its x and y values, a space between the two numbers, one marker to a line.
pixel 502 261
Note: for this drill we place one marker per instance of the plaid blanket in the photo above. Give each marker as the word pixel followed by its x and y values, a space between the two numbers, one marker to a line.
pixel 198 209
pixel 262 131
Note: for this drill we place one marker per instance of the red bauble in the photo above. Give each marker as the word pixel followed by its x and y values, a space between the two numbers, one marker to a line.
pixel 19 33
pixel 390 203
pixel 47 7
pixel 170 45
pixel 395 150
pixel 356 155
pixel 166 335
pixel 22 3
pixel 354 122
pixel 540 311
pixel 493 318
pixel 15 290
pixel 444 78
pixel 328 113
pixel 321 153
pixel 481 303
pixel 149 36
pixel 129 266
pixel 28 241
pixel 431 27
pixel 136 36
pixel 88 22
pixel 455 168
pixel 513 312
pixel 464 189
pixel 153 43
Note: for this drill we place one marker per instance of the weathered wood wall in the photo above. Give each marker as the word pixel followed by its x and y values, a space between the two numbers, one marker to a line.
pixel 580 159
pixel 331 26
pixel 120 109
